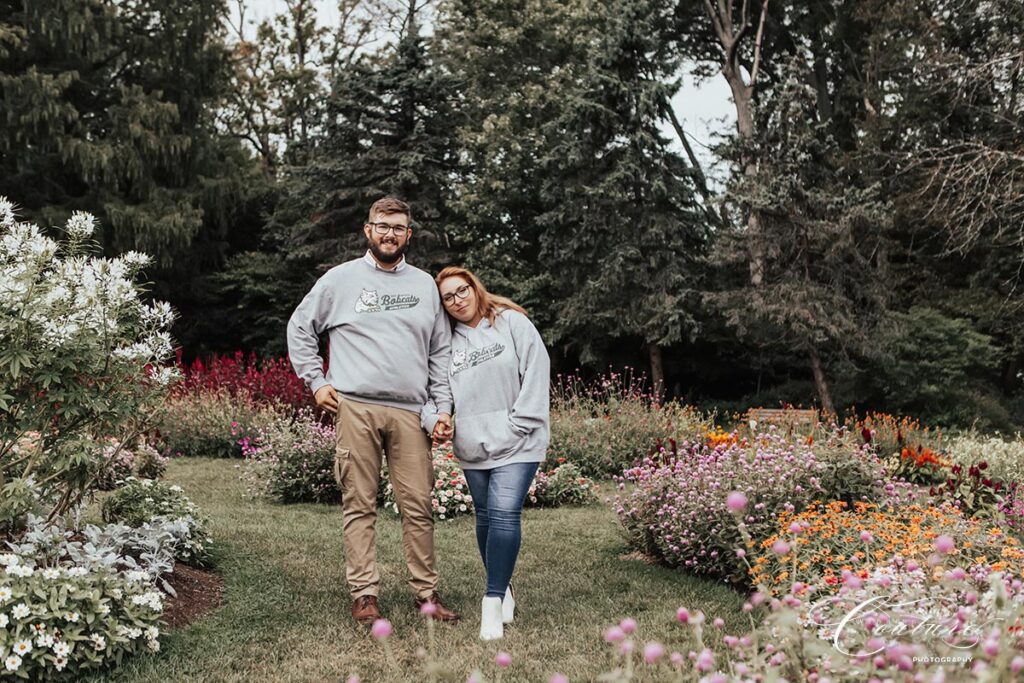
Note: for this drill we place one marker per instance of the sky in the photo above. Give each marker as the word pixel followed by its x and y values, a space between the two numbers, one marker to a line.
pixel 705 110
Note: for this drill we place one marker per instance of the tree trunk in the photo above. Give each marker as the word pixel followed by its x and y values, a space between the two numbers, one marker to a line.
pixel 657 371
pixel 819 381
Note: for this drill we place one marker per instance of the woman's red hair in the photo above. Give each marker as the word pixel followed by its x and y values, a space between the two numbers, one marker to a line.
pixel 490 304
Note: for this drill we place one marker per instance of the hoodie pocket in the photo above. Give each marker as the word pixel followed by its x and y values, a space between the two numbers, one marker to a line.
pixel 487 436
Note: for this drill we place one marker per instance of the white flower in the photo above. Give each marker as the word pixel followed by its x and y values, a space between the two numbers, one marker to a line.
pixel 59 662
pixel 176 488
pixel 45 640
pixel 81 224
pixel 21 611
pixel 76 571
pixel 103 609
pixel 61 649
pixel 13 663
pixel 135 259
pixel 98 641
pixel 153 645
pixel 22 647
pixel 5 593
pixel 50 573
pixel 4 621
pixel 152 632
pixel 72 617
pixel 134 633
pixel 6 211
pixel 8 559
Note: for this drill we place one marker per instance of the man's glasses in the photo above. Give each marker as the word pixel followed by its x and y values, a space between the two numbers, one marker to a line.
pixel 385 228
pixel 460 294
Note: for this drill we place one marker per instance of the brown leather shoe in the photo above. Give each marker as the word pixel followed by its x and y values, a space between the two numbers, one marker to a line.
pixel 364 609
pixel 441 613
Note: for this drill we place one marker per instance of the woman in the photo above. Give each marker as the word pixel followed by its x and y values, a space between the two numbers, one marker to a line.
pixel 500 379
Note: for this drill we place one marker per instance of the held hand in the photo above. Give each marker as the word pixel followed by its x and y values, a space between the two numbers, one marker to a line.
pixel 443 429
pixel 327 398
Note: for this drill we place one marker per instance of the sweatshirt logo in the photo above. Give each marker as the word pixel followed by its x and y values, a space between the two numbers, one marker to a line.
pixel 463 360
pixel 371 302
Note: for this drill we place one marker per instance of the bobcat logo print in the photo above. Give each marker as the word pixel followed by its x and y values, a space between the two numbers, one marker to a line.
pixel 372 302
pixel 463 359
pixel 367 301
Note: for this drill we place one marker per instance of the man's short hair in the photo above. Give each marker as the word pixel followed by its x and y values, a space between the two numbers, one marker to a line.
pixel 387 206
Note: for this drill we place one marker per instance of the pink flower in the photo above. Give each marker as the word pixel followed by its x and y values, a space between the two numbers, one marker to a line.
pixel 676 658
pixel 736 501
pixel 653 652
pixel 353 679
pixel 558 678
pixel 428 608
pixel 794 528
pixel 866 536
pixel 1016 664
pixel 627 647
pixel 718 622
pixel 945 544
pixel 682 615
pixel 503 659
pixel 614 634
pixel 780 547
pixel 627 625
pixel 381 629
pixel 705 660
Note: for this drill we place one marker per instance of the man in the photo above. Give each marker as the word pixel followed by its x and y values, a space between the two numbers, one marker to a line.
pixel 389 353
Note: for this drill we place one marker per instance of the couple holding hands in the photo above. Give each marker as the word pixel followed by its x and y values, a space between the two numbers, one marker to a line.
pixel 407 353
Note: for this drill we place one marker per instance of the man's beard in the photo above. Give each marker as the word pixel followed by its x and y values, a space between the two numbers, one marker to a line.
pixel 388 258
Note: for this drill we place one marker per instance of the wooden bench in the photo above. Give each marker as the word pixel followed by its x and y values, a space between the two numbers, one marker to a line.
pixel 788 417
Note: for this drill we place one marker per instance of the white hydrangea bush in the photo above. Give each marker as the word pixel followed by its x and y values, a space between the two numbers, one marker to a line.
pixel 80 360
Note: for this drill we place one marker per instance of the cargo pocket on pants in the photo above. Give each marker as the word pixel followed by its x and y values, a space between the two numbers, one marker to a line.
pixel 341 458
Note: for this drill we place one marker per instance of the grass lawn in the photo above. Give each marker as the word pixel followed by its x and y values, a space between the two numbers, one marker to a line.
pixel 286 610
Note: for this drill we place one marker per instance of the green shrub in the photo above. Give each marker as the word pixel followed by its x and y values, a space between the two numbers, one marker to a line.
pixel 564 485
pixel 291 460
pixel 603 427
pixel 141 501
pixel 213 424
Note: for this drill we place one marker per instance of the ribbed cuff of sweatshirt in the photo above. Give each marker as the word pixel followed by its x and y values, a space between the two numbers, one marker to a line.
pixel 315 385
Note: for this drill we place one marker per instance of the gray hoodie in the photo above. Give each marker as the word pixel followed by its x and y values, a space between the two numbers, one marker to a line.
pixel 389 337
pixel 500 380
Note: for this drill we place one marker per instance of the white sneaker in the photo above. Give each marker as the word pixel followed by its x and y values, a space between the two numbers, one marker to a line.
pixel 490 619
pixel 508 606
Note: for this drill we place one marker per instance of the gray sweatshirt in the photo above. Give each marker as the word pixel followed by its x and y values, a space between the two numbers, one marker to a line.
pixel 500 379
pixel 389 336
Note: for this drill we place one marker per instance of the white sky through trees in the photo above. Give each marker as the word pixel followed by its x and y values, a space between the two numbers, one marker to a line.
pixel 705 110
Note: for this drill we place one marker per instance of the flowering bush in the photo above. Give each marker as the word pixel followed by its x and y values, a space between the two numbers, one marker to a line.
pixel 121 462
pixel 564 485
pixel 676 514
pixel 140 502
pixel 292 460
pixel 605 426
pixel 79 360
pixel 214 424
pixel 269 382
pixel 889 434
pixel 1004 458
pixel 831 539
pixel 450 496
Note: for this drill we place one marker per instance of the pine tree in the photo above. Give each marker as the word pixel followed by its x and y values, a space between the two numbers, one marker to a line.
pixel 623 231
pixel 824 224
pixel 387 130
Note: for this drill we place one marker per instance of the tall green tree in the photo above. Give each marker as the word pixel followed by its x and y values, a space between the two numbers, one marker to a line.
pixel 623 230
pixel 387 130
pixel 823 292
pixel 108 107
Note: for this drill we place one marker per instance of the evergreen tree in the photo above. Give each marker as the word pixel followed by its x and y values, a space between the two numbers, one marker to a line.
pixel 386 131
pixel 623 232
pixel 108 107
pixel 823 292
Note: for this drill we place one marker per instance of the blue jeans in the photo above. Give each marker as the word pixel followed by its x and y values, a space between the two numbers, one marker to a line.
pixel 498 496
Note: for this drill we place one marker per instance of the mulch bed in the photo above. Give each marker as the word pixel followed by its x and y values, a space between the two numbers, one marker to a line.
pixel 200 591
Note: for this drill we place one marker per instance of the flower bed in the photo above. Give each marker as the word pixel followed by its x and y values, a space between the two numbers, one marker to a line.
pixel 676 513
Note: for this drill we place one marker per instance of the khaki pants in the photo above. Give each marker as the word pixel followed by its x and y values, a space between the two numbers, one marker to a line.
pixel 364 431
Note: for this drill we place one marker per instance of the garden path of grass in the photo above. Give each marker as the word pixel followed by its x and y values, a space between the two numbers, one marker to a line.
pixel 286 611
